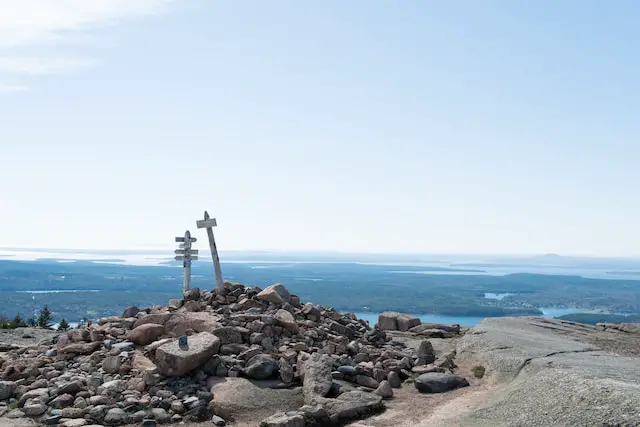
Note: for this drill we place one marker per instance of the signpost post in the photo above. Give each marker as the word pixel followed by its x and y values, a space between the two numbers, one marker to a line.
pixel 186 255
pixel 209 223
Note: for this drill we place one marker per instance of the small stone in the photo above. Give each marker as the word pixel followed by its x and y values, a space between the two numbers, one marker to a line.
pixel 34 408
pixel 7 389
pixel 111 364
pixel 80 402
pixel 52 420
pixel 217 421
pixel 384 390
pixel 261 367
pixel 115 416
pixel 160 415
pixel 426 353
pixel 348 370
pixel 78 422
pixel 62 401
pixel 148 423
pixel 72 413
pixel 177 406
pixel 286 371
pixel 367 381
pixel 394 379
pixel 71 388
pixel 131 311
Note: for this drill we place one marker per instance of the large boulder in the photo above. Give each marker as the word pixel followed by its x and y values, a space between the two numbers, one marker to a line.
pixel 261 367
pixel 388 321
pixel 286 320
pixel 437 382
pixel 394 321
pixel 180 323
pixel 406 322
pixel 243 401
pixel 172 360
pixel 145 334
pixel 276 294
pixel 317 377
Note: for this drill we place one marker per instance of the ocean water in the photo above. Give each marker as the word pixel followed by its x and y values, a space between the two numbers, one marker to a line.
pixel 548 312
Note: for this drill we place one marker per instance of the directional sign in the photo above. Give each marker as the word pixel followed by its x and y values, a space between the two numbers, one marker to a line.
pixel 183 251
pixel 181 257
pixel 206 223
pixel 181 239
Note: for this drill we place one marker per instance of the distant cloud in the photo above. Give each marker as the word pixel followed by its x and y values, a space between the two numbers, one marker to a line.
pixel 43 65
pixel 12 88
pixel 49 26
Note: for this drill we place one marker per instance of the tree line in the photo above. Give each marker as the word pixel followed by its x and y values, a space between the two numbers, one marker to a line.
pixel 43 320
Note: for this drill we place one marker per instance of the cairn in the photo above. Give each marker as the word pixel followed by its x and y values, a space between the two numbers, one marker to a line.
pixel 211 356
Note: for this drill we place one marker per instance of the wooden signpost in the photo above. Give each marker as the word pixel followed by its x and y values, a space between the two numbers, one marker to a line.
pixel 186 255
pixel 209 223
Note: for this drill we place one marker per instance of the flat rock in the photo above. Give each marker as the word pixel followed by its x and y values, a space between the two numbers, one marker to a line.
pixel 284 419
pixel 80 348
pixel 438 382
pixel 244 401
pixel 172 360
pixel 352 405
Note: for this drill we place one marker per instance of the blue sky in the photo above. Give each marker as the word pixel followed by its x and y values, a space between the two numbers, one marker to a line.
pixel 417 126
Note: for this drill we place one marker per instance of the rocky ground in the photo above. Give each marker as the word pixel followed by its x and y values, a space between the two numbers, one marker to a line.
pixel 236 356
pixel 246 356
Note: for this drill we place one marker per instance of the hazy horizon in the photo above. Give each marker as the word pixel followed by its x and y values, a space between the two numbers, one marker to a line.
pixel 428 127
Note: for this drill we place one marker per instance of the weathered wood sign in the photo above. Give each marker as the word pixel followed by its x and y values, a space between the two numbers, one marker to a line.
pixel 209 223
pixel 186 255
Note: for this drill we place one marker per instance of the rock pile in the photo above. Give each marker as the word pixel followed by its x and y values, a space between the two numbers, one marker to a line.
pixel 209 354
